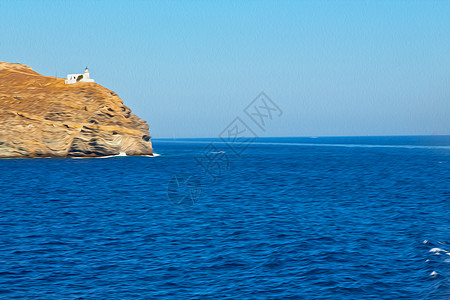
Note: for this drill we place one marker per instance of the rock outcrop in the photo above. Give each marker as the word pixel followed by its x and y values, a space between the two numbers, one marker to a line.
pixel 42 116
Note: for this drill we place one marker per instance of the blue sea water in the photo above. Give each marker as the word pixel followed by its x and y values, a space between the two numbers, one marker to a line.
pixel 273 218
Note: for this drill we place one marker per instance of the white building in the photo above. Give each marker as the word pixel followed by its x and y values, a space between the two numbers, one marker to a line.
pixel 74 78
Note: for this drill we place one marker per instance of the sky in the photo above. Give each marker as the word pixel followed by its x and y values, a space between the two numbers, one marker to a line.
pixel 189 68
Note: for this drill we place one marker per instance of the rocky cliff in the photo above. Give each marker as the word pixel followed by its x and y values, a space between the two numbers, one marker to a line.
pixel 42 116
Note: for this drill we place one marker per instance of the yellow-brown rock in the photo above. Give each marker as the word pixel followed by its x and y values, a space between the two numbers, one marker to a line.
pixel 42 116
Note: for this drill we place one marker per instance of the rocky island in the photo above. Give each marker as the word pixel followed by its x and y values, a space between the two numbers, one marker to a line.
pixel 42 116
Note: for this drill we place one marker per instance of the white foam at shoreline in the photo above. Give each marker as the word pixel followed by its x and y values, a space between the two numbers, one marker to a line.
pixel 121 154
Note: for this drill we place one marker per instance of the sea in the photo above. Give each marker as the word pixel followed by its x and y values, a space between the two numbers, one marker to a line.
pixel 265 218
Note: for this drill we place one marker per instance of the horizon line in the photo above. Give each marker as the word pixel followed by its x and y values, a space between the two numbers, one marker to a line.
pixel 310 136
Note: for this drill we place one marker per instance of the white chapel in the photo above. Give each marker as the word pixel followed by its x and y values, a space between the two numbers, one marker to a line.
pixel 74 78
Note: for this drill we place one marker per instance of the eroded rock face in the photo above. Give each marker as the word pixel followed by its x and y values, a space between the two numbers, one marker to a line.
pixel 42 116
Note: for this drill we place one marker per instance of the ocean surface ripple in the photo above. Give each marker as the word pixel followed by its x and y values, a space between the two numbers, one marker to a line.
pixel 291 218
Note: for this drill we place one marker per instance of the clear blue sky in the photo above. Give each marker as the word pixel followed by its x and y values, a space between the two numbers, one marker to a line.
pixel 189 67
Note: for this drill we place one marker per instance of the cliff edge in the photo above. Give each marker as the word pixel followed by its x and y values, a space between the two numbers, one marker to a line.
pixel 42 116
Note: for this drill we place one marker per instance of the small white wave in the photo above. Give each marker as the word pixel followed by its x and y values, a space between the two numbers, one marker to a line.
pixel 434 274
pixel 153 155
pixel 438 251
